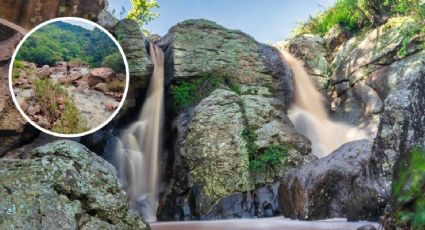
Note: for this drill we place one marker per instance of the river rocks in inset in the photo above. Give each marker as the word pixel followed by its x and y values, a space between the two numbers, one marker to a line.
pixel 338 185
pixel 71 79
pixel 101 87
pixel 63 186
pixel 44 72
pixel 44 123
pixel 102 72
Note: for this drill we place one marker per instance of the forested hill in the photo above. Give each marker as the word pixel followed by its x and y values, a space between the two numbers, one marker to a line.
pixel 61 41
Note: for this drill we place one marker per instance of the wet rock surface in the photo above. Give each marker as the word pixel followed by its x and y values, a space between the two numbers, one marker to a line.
pixel 341 184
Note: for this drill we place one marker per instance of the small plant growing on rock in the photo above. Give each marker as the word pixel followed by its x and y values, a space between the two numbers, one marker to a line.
pixel 271 157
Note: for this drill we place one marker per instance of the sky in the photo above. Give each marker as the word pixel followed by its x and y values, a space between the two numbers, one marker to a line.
pixel 80 23
pixel 265 20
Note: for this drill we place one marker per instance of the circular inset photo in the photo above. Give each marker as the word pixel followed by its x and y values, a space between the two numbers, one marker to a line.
pixel 69 77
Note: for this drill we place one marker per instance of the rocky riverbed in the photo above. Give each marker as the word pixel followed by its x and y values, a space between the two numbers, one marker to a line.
pixel 88 88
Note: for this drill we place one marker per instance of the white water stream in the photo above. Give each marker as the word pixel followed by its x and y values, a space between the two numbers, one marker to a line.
pixel 138 151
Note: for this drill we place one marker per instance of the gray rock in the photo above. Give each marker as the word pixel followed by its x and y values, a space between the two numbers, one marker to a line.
pixel 338 185
pixel 63 186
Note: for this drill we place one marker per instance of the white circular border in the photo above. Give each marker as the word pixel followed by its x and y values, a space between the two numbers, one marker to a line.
pixel 127 77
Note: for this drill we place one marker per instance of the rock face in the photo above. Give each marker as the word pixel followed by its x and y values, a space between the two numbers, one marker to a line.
pixel 402 121
pixel 13 128
pixel 63 185
pixel 131 39
pixel 310 49
pixel 217 138
pixel 30 13
pixel 339 185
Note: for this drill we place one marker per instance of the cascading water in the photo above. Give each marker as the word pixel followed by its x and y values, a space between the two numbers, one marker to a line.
pixel 310 117
pixel 139 146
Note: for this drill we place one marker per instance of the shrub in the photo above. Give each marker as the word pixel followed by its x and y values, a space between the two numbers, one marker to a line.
pixel 188 93
pixel 78 62
pixel 356 15
pixel 70 121
pixel 269 158
pixel 49 96
pixel 116 86
pixel 115 62
pixel 409 192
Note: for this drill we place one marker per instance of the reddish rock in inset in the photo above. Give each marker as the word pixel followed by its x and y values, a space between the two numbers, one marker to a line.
pixel 109 107
pixel 44 72
pixel 70 79
pixel 100 75
pixel 31 111
pixel 43 122
pixel 101 87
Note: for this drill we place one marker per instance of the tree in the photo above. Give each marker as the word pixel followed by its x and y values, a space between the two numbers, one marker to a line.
pixel 142 11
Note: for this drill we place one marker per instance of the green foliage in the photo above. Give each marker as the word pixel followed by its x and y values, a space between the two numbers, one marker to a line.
pixel 407 38
pixel 60 41
pixel 268 158
pixel 409 192
pixel 188 93
pixel 70 121
pixel 49 96
pixel 17 65
pixel 356 15
pixel 115 62
pixel 116 86
pixel 271 157
pixel 78 62
pixel 142 11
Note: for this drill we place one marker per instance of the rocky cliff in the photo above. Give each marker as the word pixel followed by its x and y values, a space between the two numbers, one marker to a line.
pixel 230 150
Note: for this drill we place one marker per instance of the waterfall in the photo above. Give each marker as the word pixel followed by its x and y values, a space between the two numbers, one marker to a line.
pixel 138 150
pixel 310 117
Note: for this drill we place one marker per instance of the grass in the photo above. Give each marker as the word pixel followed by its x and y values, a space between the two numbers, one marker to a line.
pixel 409 192
pixel 357 15
pixel 17 66
pixel 116 86
pixel 50 96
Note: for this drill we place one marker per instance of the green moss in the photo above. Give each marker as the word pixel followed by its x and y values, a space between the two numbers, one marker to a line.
pixel 188 93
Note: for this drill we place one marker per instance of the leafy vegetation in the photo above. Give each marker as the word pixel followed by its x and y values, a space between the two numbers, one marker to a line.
pixel 115 62
pixel 142 12
pixel 271 157
pixel 61 41
pixel 268 158
pixel 50 97
pixel 116 86
pixel 356 15
pixel 409 192
pixel 187 93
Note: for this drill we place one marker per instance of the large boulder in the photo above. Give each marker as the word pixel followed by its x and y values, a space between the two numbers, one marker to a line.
pixel 195 48
pixel 338 185
pixel 238 113
pixel 63 186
